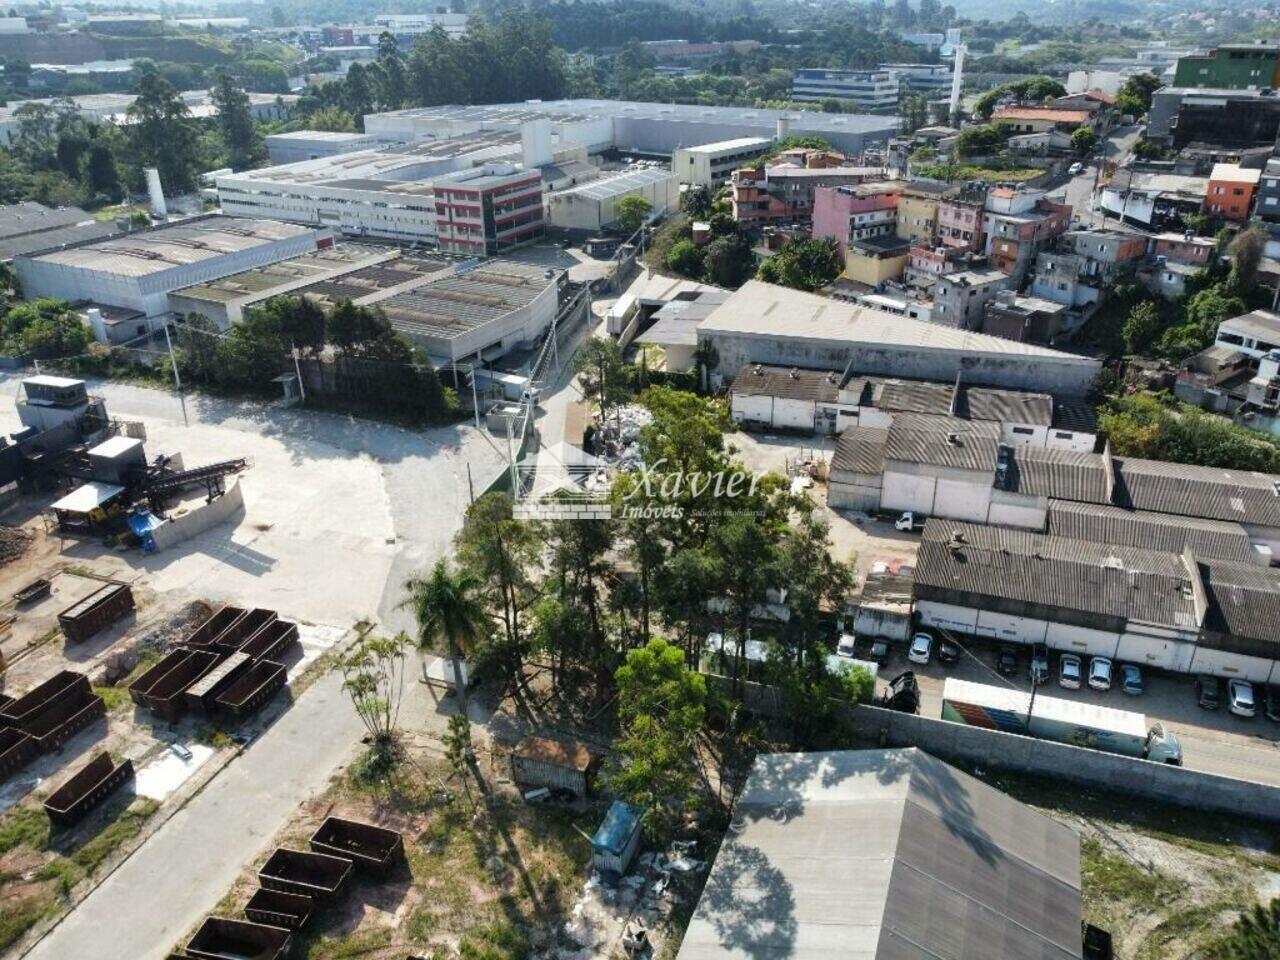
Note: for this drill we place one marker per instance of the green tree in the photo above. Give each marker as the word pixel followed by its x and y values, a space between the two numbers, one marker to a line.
pixel 393 88
pixel 162 135
pixel 43 329
pixel 1083 140
pixel 661 710
pixel 1246 250
pixel 235 123
pixel 685 258
pixel 805 264
pixel 1141 87
pixel 332 119
pixel 1142 327
pixel 630 212
pixel 101 176
pixel 373 677
pixel 697 202
pixel 449 612
pixel 1208 308
pixel 603 374
pixel 728 261
pixel 1255 935
pixel 979 141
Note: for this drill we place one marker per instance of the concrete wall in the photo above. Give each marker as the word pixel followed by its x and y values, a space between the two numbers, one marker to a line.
pixel 993 750
pixel 227 507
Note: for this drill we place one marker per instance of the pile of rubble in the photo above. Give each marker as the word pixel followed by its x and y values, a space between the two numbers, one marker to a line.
pixel 13 544
pixel 615 912
pixel 617 438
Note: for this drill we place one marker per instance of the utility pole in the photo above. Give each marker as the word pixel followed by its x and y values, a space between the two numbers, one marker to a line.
pixel 511 461
pixel 177 381
pixel 297 369
pixel 475 403
pixel 471 487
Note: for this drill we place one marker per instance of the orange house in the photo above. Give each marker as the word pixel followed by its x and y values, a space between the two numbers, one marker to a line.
pixel 1229 194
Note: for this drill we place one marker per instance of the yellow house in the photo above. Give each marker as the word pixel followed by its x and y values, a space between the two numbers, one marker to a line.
pixel 918 213
pixel 877 259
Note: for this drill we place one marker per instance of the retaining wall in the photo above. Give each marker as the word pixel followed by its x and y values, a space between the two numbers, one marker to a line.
pixel 992 749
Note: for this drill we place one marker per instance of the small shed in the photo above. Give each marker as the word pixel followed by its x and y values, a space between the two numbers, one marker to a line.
pixel 113 460
pixel 543 762
pixel 615 844
pixel 884 609
pixel 86 506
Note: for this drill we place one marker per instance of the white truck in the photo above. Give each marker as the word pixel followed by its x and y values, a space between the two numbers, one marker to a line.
pixel 1052 718
pixel 910 522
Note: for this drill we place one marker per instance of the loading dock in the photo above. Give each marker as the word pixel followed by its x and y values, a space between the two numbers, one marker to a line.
pixel 96 612
pixel 86 789
pixel 320 876
pixel 375 851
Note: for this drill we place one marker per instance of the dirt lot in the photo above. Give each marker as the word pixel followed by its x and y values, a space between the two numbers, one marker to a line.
pixel 488 875
pixel 1167 882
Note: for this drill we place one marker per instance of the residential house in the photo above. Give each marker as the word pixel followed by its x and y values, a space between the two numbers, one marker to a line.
pixel 1035 119
pixel 876 260
pixel 1151 200
pixel 1229 193
pixel 960 299
pixel 1175 259
pixel 784 192
pixel 861 212
pixel 1025 319
pixel 1217 378
pixel 960 219
pixel 1018 225
pixel 1268 207
pixel 918 210
pixel 1256 333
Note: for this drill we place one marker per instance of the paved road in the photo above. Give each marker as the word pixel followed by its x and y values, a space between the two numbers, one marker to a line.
pixel 1080 188
pixel 142 909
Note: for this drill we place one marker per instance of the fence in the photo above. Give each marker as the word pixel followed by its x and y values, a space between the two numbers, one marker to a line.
pixel 992 749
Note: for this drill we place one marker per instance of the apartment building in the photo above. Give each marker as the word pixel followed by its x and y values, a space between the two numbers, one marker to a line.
pixel 1231 66
pixel 858 212
pixel 1019 224
pixel 785 192
pixel 918 210
pixel 484 215
pixel 960 220
pixel 960 299
pixel 1229 193
pixel 712 164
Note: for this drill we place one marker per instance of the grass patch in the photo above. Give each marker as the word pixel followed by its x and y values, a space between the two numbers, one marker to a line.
pixel 116 698
pixel 17 919
pixel 25 826
pixel 214 737
pixel 1114 878
pixel 1191 929
pixel 354 945
pixel 127 825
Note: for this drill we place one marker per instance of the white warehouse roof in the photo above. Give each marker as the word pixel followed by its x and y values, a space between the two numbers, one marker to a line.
pixel 617 185
pixel 730 146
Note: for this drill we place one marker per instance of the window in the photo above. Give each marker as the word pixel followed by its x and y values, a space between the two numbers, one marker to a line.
pixel 1060 435
pixel 1024 431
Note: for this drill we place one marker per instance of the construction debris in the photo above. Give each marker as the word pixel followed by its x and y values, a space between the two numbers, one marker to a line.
pixel 13 544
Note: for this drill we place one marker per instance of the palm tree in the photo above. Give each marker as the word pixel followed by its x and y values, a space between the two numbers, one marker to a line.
pixel 448 609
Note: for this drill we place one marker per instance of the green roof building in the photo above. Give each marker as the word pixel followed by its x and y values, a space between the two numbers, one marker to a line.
pixel 1232 66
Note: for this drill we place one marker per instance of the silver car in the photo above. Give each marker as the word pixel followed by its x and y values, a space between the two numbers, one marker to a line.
pixel 1069 672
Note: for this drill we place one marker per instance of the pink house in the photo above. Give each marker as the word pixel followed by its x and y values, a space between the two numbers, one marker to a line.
pixel 858 212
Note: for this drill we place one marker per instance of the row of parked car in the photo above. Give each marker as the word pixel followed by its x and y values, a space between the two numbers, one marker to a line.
pixel 1100 673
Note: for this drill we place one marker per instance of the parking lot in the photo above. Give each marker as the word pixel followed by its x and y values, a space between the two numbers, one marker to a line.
pixel 1212 741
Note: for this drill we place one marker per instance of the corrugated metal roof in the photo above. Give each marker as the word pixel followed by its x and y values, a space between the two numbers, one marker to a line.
pixel 1210 492
pixel 943 441
pixel 1076 575
pixel 1059 474
pixel 1154 531
pixel 574 756
pixel 885 854
pixel 787 383
pixel 860 450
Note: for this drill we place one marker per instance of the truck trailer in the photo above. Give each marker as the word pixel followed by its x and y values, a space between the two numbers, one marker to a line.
pixel 1064 721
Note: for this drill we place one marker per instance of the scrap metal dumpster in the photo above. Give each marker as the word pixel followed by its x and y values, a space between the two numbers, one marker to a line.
pixel 201 696
pixel 220 938
pixel 55 726
pixel 278 909
pixel 255 687
pixel 86 789
pixel 17 749
pixel 375 851
pixel 242 629
pixel 96 612
pixel 62 685
pixel 140 688
pixel 272 641
pixel 168 696
pixel 202 637
pixel 317 875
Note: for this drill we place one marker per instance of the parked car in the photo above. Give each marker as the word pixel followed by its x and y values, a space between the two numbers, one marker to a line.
pixel 1208 692
pixel 1069 673
pixel 1039 672
pixel 1007 660
pixel 879 651
pixel 1100 673
pixel 1076 169
pixel 180 751
pixel 845 645
pixel 1273 703
pixel 948 652
pixel 902 695
pixel 1131 679
pixel 921 648
pixel 1240 699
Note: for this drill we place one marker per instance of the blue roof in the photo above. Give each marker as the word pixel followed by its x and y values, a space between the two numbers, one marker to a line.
pixel 620 823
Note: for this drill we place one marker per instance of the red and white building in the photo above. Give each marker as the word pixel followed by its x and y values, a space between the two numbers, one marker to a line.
pixel 486 214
